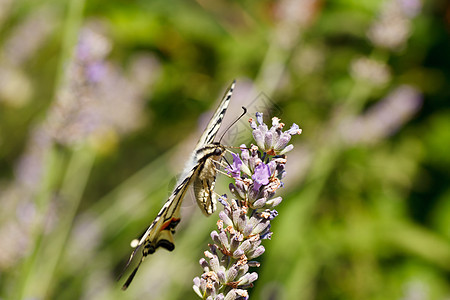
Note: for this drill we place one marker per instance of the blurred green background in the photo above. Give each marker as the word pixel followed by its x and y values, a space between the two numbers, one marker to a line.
pixel 101 103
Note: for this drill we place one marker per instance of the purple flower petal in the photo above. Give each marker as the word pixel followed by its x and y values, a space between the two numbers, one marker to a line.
pixel 272 166
pixel 294 130
pixel 223 201
pixel 259 138
pixel 273 214
pixel 283 141
pixel 235 168
pixel 274 202
pixel 259 203
pixel 261 175
pixel 287 149
pixel 267 235
pixel 259 118
pixel 268 140
pixel 258 252
pixel 275 122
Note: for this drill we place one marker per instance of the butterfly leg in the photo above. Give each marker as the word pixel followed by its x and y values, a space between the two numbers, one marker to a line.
pixel 228 175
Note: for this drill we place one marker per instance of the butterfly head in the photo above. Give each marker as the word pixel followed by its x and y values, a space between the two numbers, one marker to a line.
pixel 218 151
pixel 213 151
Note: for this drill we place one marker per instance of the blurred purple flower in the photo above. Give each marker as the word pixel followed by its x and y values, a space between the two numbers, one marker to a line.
pixel 392 27
pixel 384 118
pixel 411 8
pixel 98 102
pixel 95 71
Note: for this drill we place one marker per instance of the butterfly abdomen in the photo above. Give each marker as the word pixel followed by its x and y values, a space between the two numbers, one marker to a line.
pixel 204 194
pixel 208 158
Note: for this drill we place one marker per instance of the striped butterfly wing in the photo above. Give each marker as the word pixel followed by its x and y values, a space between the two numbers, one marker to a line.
pixel 216 120
pixel 207 154
pixel 160 232
pixel 202 173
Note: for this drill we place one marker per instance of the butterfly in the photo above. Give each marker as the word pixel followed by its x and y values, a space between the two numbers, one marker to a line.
pixel 201 173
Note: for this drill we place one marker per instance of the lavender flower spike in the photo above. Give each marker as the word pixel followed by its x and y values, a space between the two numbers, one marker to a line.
pixel 245 221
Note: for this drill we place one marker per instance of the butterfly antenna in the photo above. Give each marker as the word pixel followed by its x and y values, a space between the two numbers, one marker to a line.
pixel 228 128
pixel 232 147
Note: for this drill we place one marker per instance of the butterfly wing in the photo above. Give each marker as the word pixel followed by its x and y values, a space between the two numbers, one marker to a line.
pixel 160 232
pixel 214 124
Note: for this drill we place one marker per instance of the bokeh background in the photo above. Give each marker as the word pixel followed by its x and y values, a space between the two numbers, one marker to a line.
pixel 101 103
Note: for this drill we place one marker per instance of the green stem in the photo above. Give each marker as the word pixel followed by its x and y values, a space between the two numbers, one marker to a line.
pixel 52 162
pixel 49 249
pixel 71 192
pixel 70 36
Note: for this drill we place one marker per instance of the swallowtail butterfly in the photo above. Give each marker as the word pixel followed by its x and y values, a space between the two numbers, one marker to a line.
pixel 201 173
